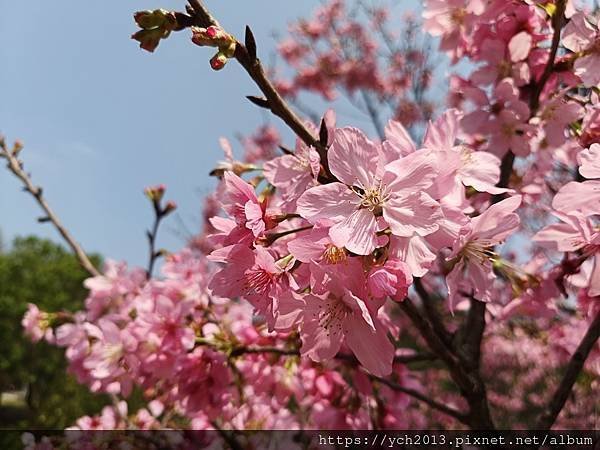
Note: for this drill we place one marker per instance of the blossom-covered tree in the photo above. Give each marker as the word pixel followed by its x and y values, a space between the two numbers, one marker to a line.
pixel 448 280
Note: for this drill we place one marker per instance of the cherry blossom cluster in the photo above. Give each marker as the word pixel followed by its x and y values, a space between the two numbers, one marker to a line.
pixel 287 311
pixel 357 50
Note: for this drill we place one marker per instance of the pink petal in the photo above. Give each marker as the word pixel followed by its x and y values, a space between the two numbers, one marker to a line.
pixel 372 348
pixel 415 213
pixel 574 196
pixel 589 159
pixel 482 172
pixel 352 157
pixel 414 252
pixel 561 237
pixel 497 222
pixel 414 172
pixel 356 232
pixel 578 33
pixel 519 46
pixel 441 134
pixel 330 201
pixel 398 141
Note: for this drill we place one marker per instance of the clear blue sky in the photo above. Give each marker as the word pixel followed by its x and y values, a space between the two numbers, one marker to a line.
pixel 101 119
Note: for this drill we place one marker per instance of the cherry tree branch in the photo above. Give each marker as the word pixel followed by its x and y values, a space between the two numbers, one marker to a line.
pixel 467 377
pixel 404 359
pixel 558 21
pixel 431 312
pixel 275 103
pixel 16 167
pixel 462 418
pixel 574 367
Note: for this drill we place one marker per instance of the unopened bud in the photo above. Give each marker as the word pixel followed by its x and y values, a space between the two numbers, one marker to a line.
pixel 218 61
pixel 169 207
pixel 212 37
pixel 155 25
pixel 155 193
pixel 160 18
pixel 17 147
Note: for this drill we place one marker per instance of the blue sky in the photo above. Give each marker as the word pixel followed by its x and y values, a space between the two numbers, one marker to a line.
pixel 101 119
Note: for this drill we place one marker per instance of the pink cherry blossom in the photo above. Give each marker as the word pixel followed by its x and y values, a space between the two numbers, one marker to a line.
pixel 581 36
pixel 370 197
pixel 472 250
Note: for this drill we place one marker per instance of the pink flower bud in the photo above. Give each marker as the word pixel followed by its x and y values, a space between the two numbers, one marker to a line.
pixel 218 61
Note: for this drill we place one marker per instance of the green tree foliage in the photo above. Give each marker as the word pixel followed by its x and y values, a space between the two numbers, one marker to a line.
pixel 41 272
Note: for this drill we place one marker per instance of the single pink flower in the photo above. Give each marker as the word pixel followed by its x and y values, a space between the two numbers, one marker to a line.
pixel 472 251
pixel 582 36
pixel 370 197
pixel 241 203
pixel 293 174
pixel 333 319
pixel 575 232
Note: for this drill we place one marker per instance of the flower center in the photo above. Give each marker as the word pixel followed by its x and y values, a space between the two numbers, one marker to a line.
pixel 334 255
pixel 331 316
pixel 258 281
pixel 373 197
pixel 458 16
pixel 479 251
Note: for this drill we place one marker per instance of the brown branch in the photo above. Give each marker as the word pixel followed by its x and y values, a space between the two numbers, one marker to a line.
pixel 16 167
pixel 431 312
pixel 276 103
pixel 574 367
pixel 558 21
pixel 423 398
pixel 468 380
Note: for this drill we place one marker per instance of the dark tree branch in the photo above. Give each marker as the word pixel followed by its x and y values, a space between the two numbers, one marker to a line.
pixel 431 312
pixel 468 379
pixel 558 21
pixel 276 103
pixel 574 368
pixel 417 395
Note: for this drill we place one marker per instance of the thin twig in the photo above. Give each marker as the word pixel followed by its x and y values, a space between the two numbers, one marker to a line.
pixel 574 367
pixel 16 167
pixel 423 398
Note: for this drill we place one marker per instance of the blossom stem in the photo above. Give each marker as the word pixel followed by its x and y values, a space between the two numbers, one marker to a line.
pixel 16 167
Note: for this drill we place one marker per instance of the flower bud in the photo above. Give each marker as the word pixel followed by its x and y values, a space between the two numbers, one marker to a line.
pixel 212 37
pixel 155 25
pixel 160 18
pixel 218 61
pixel 155 193
pixel 169 207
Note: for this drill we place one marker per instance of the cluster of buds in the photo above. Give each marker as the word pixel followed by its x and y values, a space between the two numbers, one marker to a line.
pixel 155 25
pixel 155 194
pixel 214 36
